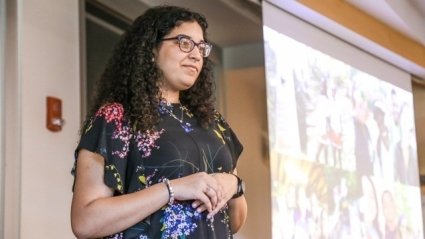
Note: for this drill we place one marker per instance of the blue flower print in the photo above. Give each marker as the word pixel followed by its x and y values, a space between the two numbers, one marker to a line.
pixel 179 221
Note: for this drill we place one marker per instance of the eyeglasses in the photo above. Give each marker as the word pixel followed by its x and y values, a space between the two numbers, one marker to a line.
pixel 186 45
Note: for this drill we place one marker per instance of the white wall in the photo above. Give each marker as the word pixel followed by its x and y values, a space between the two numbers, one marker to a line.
pixel 2 76
pixel 47 65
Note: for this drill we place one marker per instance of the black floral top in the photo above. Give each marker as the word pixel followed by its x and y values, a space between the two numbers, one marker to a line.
pixel 176 148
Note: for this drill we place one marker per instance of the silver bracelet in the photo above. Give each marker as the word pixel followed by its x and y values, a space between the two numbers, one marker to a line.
pixel 170 191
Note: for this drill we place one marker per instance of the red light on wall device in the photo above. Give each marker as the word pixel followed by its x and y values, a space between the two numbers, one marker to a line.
pixel 54 121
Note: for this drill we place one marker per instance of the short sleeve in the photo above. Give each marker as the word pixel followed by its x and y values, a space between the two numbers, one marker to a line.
pixel 108 134
pixel 230 138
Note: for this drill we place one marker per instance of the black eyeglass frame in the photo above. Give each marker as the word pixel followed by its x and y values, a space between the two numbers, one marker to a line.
pixel 205 52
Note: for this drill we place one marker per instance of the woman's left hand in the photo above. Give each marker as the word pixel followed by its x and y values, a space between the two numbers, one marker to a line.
pixel 228 183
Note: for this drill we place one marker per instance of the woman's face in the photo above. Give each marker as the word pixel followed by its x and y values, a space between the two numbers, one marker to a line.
pixel 388 207
pixel 180 69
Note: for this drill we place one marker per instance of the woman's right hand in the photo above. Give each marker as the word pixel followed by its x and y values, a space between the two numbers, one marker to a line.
pixel 199 186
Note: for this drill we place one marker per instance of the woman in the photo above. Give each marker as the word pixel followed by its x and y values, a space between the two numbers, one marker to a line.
pixel 369 209
pixel 155 160
pixel 389 209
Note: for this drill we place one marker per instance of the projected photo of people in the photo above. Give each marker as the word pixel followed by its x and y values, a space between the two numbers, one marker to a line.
pixel 344 118
pixel 343 154
pixel 315 201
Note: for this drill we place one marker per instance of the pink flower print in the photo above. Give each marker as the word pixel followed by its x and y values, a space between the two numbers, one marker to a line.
pixel 125 136
pixel 146 142
pixel 112 113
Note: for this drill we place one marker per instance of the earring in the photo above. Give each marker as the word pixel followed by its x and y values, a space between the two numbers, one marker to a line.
pixel 153 59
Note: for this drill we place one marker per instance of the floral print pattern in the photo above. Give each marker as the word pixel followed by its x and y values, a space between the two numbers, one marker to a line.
pixel 167 108
pixel 179 221
pixel 177 147
pixel 146 142
pixel 113 113
pixel 116 236
pixel 124 135
pixel 116 175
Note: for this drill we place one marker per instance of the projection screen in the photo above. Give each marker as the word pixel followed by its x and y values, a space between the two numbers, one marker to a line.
pixel 343 153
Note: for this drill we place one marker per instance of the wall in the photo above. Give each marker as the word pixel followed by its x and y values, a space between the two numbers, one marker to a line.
pixel 12 119
pixel 246 112
pixel 2 76
pixel 47 64
pixel 419 105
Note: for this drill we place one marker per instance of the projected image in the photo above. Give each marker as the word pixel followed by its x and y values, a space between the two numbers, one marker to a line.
pixel 342 146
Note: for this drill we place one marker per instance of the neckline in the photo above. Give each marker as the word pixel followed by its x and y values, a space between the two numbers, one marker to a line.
pixel 172 109
pixel 163 102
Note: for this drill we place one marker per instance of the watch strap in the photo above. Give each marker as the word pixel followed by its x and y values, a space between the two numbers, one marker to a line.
pixel 240 188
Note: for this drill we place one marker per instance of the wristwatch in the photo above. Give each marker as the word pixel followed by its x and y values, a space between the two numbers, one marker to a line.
pixel 241 187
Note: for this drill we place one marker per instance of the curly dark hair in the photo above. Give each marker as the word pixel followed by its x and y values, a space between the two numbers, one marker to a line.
pixel 131 77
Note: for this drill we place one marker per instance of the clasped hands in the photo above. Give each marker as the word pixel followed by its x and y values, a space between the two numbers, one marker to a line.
pixel 208 191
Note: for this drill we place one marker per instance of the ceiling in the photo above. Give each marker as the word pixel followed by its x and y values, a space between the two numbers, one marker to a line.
pixel 231 22
pixel 406 16
pixel 235 22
